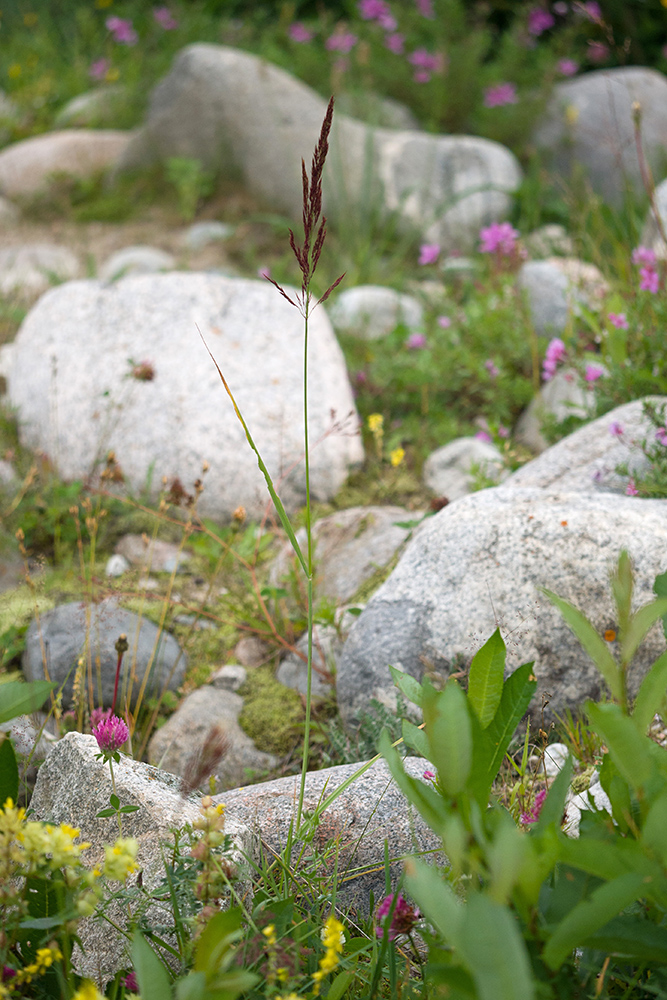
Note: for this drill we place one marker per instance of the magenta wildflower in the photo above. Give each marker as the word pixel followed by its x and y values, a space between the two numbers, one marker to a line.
pixel 556 351
pixel 371 10
pixel 661 436
pixel 503 432
pixel 426 60
pixel 429 776
pixel 122 30
pixel 631 489
pixel 649 280
pixel 404 917
pixel 130 982
pixel 491 368
pixel 428 253
pixel 593 373
pixel 618 320
pixel 361 378
pixel 444 322
pixel 264 272
pixel 499 238
pixel 502 93
pixel 416 342
pixel 644 255
pixel 395 43
pixel 298 32
pixel 164 18
pixel 598 52
pixel 99 69
pixel 591 10
pixel 341 41
pixel 421 76
pixel 425 8
pixel 98 715
pixel 616 429
pixel 483 436
pixel 533 814
pixel 568 67
pixel 560 8
pixel 111 734
pixel 539 20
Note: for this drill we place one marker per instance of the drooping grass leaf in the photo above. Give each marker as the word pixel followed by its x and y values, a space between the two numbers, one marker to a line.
pixel 594 644
pixel 485 680
pixel 554 804
pixel 660 590
pixel 622 586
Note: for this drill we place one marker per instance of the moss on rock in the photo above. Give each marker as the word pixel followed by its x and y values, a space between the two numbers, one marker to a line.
pixel 272 713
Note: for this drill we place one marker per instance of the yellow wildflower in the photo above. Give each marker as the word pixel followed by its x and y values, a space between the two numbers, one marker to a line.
pixel 396 456
pixel 571 114
pixel 269 933
pixel 87 991
pixel 43 960
pixel 375 422
pixel 119 860
pixel 333 936
pixel 52 845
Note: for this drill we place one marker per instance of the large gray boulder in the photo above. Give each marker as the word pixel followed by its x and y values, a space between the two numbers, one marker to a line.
pixel 81 352
pixel 239 114
pixel 589 123
pixel 586 461
pixel 26 167
pixel 556 289
pixel 74 631
pixel 72 787
pixel 356 825
pixel 478 564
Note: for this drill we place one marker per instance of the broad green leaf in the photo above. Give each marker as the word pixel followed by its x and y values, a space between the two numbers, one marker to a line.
pixel 460 984
pixel 9 772
pixel 590 915
pixel 494 951
pixel 553 807
pixel 639 625
pixel 415 738
pixel 653 830
pixel 435 898
pixel 631 936
pixel 607 859
pixel 628 748
pixel 505 857
pixel 621 586
pixel 594 644
pixel 192 987
pixel 17 698
pixel 485 679
pixel 660 589
pixel 340 985
pixel 216 940
pixel 650 695
pixel 424 798
pixel 449 736
pixel 407 685
pixel 153 978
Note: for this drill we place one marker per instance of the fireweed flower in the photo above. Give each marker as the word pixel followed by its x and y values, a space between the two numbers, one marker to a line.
pixel 87 991
pixel 568 67
pixel 649 280
pixel 533 814
pixel 122 30
pixel 483 436
pixel 111 734
pixel 298 32
pixel 428 253
pixel 539 20
pixel 163 16
pixel 341 41
pixel 429 775
pixel 444 322
pixel 415 342
pixel 425 8
pixel 501 94
pixel 556 351
pixel 618 320
pixel 631 490
pixel 644 255
pixel 404 918
pixel 99 69
pixel 503 432
pixel 395 43
pixel 661 436
pixel 593 373
pixel 499 238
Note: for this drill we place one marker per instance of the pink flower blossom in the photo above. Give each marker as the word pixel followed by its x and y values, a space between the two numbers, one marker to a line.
pixel 556 351
pixel 661 436
pixel 568 67
pixel 395 43
pixel 425 8
pixel 416 342
pixel 428 253
pixel 498 238
pixel 539 20
pixel 491 368
pixel 503 432
pixel 644 255
pixel 122 30
pixel 371 10
pixel 130 982
pixel 502 93
pixel 618 320
pixel 341 41
pixel 533 814
pixel 598 52
pixel 444 322
pixel 429 776
pixel 298 32
pixel 593 373
pixel 404 917
pixel 421 76
pixel 99 69
pixel 426 60
pixel 591 10
pixel 649 280
pixel 164 18
pixel 616 429
pixel 483 436
pixel 631 489
pixel 98 715
pixel 263 272
pixel 111 734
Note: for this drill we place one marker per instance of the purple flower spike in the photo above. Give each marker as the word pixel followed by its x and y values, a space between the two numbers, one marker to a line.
pixel 428 253
pixel 111 734
pixel 593 373
pixel 500 237
pixel 568 67
pixel 404 918
pixel 533 814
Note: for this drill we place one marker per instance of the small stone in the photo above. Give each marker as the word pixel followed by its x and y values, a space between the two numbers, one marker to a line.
pixel 27 271
pixel 9 213
pixel 154 555
pixel 549 240
pixel 116 565
pixel 555 756
pixel 251 651
pixel 229 678
pixel 448 470
pixel 202 233
pixel 136 260
pixel 372 311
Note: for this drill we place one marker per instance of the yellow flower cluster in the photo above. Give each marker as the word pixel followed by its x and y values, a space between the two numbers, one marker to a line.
pixel 43 960
pixel 120 860
pixel 87 991
pixel 32 845
pixel 375 422
pixel 396 456
pixel 333 936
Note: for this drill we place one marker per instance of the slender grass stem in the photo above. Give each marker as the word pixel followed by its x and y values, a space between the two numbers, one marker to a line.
pixel 309 562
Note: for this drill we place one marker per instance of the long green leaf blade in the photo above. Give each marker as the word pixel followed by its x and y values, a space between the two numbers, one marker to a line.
pixel 518 692
pixel 435 899
pixel 407 685
pixel 629 749
pixel 650 695
pixel 639 625
pixel 424 798
pixel 593 643
pixel 154 982
pixel 494 951
pixel 9 772
pixel 485 679
pixel 17 698
pixel 633 937
pixel 415 738
pixel 449 736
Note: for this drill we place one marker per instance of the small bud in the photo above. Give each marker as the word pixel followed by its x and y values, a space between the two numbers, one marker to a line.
pixel 239 514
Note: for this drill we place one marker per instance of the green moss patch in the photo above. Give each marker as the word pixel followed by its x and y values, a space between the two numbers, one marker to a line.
pixel 272 713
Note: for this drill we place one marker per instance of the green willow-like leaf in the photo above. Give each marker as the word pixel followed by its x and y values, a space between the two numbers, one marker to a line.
pixel 17 698
pixel 628 748
pixel 407 685
pixel 154 981
pixel 485 679
pixel 449 736
pixel 494 951
pixel 554 804
pixel 590 915
pixel 424 798
pixel 436 900
pixel 622 586
pixel 415 738
pixel 639 625
pixel 594 644
pixel 631 937
pixel 9 772
pixel 660 590
pixel 650 695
